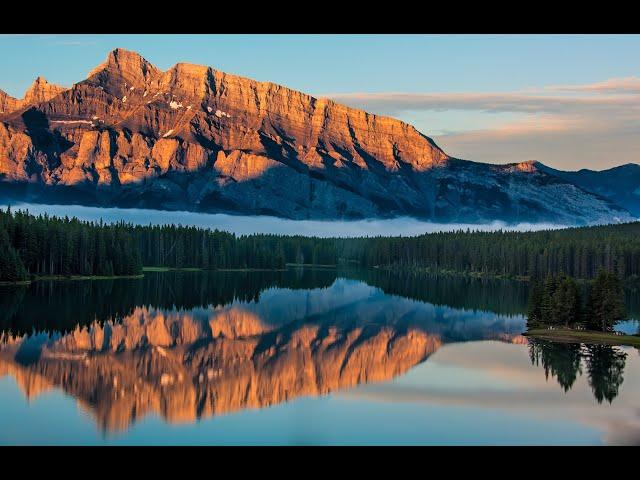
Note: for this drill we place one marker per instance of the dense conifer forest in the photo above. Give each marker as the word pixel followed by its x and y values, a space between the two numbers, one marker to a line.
pixel 43 245
pixel 559 301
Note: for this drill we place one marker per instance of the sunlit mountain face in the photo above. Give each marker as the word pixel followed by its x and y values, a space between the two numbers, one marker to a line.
pixel 197 139
pixel 185 347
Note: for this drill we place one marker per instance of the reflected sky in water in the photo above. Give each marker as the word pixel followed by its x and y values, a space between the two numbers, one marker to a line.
pixel 299 357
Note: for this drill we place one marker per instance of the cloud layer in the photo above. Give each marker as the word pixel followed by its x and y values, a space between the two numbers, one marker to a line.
pixel 566 126
pixel 246 225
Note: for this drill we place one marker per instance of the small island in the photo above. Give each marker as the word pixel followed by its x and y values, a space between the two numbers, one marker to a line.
pixel 559 311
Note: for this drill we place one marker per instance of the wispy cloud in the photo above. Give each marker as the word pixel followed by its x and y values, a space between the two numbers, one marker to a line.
pixel 521 102
pixel 569 126
pixel 613 85
pixel 73 43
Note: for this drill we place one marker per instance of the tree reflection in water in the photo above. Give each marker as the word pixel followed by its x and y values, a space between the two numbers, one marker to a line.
pixel 603 365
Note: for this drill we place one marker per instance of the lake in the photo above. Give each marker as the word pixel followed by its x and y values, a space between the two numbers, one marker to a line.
pixel 302 357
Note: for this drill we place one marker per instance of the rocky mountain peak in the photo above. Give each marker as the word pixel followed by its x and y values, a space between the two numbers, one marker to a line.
pixel 123 69
pixel 527 166
pixel 41 91
pixel 197 138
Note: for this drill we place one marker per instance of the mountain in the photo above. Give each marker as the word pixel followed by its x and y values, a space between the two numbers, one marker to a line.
pixel 194 138
pixel 39 91
pixel 619 184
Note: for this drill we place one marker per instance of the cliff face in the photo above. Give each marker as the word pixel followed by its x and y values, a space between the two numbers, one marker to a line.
pixel 39 91
pixel 199 139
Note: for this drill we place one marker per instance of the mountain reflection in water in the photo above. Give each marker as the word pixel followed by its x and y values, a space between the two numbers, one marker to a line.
pixel 190 345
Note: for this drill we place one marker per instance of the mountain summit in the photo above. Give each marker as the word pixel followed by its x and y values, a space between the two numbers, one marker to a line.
pixel 195 138
pixel 39 91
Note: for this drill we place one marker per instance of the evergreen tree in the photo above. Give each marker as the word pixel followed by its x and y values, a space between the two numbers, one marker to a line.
pixel 534 311
pixel 605 305
pixel 546 307
pixel 565 302
pixel 11 267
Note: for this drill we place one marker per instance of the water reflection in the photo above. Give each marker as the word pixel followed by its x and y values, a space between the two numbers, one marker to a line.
pixel 189 346
pixel 603 364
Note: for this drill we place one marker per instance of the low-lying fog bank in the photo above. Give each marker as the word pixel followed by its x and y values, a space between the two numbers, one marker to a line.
pixel 242 225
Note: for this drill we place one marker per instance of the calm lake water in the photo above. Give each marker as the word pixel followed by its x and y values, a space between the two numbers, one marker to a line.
pixel 301 357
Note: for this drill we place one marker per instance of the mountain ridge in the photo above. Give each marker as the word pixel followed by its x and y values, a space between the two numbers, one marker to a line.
pixel 620 184
pixel 195 138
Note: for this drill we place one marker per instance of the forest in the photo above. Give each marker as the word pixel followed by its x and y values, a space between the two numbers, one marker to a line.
pixel 559 301
pixel 32 246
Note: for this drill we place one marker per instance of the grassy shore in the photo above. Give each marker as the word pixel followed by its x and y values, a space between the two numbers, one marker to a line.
pixel 192 269
pixel 169 269
pixel 310 265
pixel 452 273
pixel 568 335
pixel 21 282
pixel 37 278
pixel 84 277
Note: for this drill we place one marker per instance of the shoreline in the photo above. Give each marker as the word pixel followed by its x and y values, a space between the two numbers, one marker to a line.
pixel 196 269
pixel 68 278
pixel 567 335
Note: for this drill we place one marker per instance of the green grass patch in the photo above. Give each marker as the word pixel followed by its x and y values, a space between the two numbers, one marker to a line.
pixel 171 269
pixel 568 335
pixel 84 277
pixel 311 265
pixel 251 270
pixel 20 282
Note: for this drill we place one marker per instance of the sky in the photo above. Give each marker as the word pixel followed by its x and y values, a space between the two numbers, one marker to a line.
pixel 569 101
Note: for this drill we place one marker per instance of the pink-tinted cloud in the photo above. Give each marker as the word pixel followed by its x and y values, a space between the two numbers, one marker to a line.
pixel 566 126
pixel 613 85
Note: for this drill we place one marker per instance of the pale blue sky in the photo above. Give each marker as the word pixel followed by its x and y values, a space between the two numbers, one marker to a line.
pixel 382 64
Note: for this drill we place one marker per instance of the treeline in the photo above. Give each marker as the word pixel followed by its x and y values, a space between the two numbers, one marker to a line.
pixel 186 247
pixel 46 245
pixel 559 301
pixel 579 252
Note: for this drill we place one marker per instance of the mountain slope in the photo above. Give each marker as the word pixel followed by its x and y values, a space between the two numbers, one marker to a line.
pixel 619 184
pixel 195 138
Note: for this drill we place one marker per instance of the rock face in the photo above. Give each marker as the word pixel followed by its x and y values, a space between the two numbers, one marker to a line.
pixel 39 91
pixel 8 103
pixel 620 184
pixel 199 139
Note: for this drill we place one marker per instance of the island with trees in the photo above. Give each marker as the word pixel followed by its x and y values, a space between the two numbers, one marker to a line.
pixel 561 309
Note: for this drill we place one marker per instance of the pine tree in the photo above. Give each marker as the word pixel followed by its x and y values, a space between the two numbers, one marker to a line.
pixel 605 305
pixel 565 302
pixel 11 267
pixel 546 306
pixel 534 311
